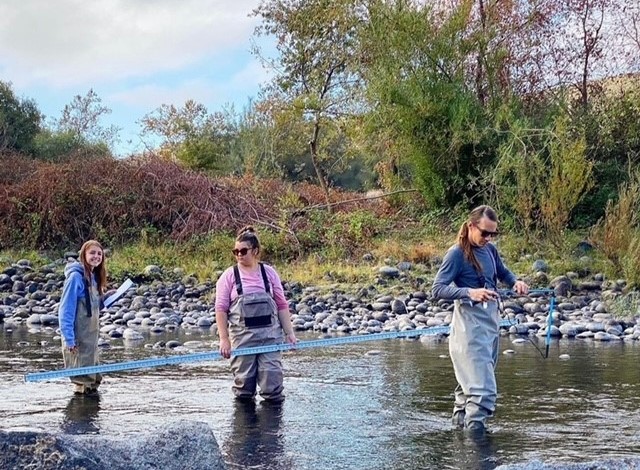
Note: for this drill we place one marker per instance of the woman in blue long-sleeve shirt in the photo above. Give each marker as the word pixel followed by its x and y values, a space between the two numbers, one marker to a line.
pixel 79 312
pixel 474 267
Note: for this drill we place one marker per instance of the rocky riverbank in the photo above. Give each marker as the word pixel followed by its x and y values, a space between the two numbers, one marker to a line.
pixel 399 300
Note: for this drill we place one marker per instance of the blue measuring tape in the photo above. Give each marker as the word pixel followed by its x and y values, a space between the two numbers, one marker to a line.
pixel 510 293
pixel 208 356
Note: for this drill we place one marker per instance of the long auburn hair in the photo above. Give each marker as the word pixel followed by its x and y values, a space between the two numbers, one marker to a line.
pixel 100 271
pixel 463 234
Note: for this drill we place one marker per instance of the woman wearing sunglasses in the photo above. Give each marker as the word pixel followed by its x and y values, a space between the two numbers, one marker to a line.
pixel 474 267
pixel 251 310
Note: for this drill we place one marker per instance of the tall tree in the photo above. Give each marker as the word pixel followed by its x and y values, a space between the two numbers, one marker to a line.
pixel 20 121
pixel 629 24
pixel 424 102
pixel 316 68
pixel 191 134
pixel 82 117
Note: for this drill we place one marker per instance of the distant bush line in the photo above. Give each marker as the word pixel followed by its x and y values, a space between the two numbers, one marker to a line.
pixel 58 205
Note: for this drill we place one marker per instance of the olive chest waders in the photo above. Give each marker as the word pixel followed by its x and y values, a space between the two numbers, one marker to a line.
pixel 86 332
pixel 253 321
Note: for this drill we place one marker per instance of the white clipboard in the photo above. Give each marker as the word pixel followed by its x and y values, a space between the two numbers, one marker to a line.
pixel 121 290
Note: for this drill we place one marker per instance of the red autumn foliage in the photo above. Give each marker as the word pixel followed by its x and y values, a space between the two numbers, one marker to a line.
pixel 45 205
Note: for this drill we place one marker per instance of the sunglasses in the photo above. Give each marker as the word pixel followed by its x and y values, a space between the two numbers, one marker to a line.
pixel 487 234
pixel 241 251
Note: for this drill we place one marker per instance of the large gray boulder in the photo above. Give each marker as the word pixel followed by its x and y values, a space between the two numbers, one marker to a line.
pixel 182 445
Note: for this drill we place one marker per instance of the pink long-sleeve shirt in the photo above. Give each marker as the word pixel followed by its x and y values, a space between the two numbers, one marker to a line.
pixel 251 282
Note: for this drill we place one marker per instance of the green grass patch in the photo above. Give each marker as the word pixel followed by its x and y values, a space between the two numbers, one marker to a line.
pixel 334 259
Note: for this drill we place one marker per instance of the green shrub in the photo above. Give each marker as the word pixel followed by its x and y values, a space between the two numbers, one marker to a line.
pixel 614 233
pixel 626 306
pixel 631 262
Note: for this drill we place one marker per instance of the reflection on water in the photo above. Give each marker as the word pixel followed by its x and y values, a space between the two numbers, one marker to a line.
pixel 456 449
pixel 256 439
pixel 81 415
pixel 474 451
pixel 349 410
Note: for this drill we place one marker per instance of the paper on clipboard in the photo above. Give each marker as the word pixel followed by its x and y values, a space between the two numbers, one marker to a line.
pixel 121 290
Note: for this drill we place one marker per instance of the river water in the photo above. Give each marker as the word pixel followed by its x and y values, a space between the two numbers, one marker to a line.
pixel 371 405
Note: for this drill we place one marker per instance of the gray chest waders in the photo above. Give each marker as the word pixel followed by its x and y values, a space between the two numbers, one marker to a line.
pixel 473 347
pixel 253 321
pixel 86 330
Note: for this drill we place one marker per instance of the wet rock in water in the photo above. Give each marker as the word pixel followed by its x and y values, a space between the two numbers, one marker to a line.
pixel 555 332
pixel 431 339
pixel 177 446
pixel 132 335
pixel 569 330
pixel 33 319
pixel 519 329
pixel 48 320
pixel 586 335
pixel 627 463
pixel 194 345
pixel 595 327
pixel 602 336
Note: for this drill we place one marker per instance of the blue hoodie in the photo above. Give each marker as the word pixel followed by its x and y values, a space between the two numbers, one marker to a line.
pixel 73 292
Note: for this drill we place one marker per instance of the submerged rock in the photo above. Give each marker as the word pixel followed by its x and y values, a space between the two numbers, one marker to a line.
pixel 182 445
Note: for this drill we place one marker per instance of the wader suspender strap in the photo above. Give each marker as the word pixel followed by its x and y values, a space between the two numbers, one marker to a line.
pixel 87 295
pixel 236 276
pixel 267 287
pixel 238 281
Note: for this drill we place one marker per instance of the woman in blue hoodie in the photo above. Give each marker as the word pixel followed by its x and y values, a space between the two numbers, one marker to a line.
pixel 79 313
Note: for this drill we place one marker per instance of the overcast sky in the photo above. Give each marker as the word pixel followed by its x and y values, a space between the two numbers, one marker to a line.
pixel 135 54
